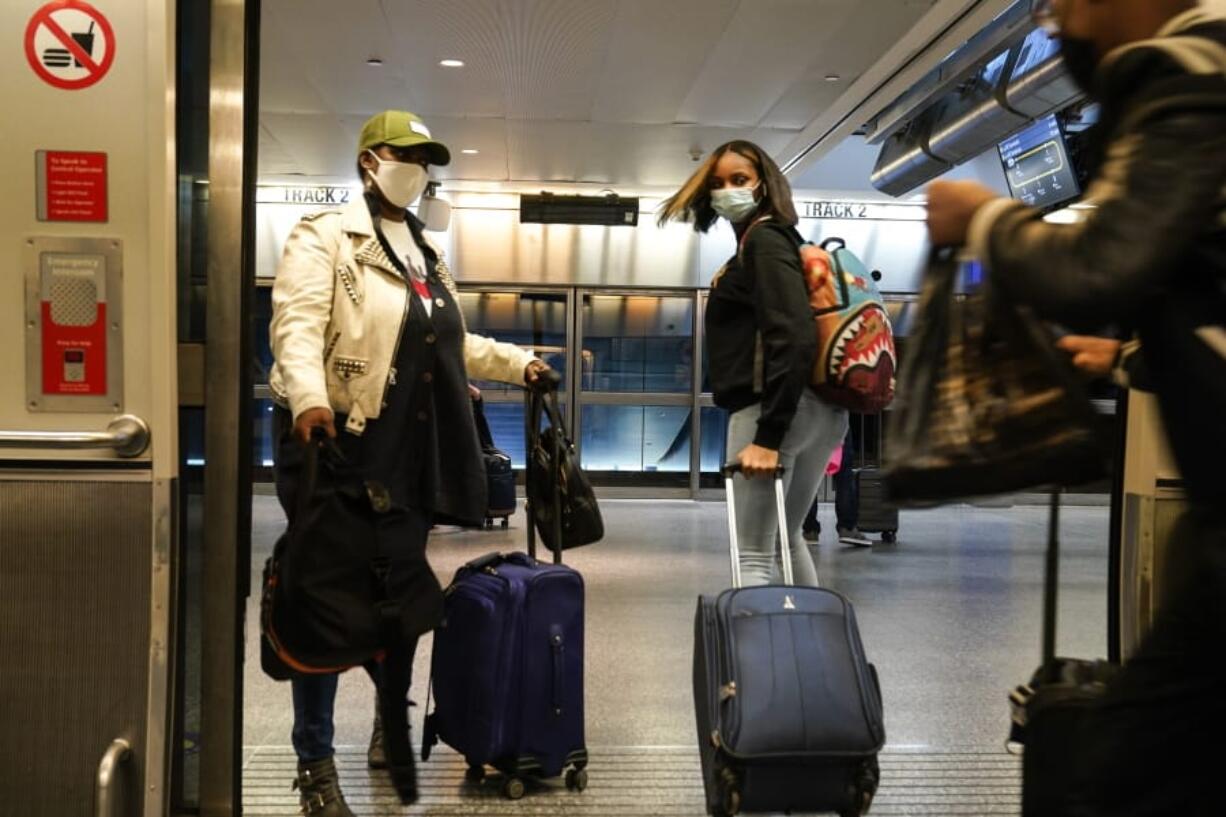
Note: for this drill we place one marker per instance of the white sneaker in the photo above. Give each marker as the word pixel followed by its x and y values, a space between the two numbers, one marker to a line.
pixel 852 536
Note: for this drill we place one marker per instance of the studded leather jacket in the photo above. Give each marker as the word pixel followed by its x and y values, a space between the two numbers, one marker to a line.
pixel 339 308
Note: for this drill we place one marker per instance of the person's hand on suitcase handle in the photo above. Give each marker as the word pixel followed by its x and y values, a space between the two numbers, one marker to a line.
pixel 736 468
pixel 538 376
pixel 756 461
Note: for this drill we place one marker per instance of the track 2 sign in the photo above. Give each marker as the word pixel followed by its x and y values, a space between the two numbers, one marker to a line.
pixel 70 44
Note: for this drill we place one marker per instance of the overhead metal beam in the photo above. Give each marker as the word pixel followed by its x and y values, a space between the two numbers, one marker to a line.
pixel 948 25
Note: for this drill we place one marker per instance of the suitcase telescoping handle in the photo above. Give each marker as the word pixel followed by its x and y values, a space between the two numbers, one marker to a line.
pixel 734 549
pixel 540 401
pixel 1051 582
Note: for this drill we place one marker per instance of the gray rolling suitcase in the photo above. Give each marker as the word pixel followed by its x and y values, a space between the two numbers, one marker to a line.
pixel 788 708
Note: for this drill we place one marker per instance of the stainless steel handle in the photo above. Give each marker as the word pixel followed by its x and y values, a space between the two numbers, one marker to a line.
pixel 120 751
pixel 127 435
pixel 734 547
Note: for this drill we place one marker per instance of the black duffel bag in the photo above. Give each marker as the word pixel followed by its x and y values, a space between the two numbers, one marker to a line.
pixel 561 504
pixel 348 580
pixel 986 402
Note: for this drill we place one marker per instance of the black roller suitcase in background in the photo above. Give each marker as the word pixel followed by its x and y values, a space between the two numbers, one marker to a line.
pixel 788 708
pixel 877 514
pixel 1050 712
pixel 500 476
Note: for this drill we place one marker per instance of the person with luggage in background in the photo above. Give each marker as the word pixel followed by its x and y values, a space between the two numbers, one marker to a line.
pixel 371 348
pixel 762 345
pixel 846 499
pixel 1150 256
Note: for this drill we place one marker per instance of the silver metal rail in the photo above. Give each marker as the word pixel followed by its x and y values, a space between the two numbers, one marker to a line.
pixel 119 752
pixel 127 435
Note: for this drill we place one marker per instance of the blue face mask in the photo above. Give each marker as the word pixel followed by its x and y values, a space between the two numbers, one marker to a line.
pixel 734 203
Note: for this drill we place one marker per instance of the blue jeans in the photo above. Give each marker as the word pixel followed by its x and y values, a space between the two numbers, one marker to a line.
pixel 314 700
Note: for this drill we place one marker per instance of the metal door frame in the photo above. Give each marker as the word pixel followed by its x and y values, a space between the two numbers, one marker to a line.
pixel 233 104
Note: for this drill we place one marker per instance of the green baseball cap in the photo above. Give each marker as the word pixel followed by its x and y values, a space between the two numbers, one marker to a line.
pixel 401 129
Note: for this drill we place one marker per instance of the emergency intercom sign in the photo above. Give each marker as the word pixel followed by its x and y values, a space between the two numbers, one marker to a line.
pixel 73 360
pixel 73 307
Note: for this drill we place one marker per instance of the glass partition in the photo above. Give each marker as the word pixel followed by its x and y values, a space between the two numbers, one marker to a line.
pixel 535 320
pixel 637 439
pixel 714 446
pixel 506 419
pixel 638 343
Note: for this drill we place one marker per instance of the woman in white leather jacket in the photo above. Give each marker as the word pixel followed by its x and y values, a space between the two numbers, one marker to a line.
pixel 370 346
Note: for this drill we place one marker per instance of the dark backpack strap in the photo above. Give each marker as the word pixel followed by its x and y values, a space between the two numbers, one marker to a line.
pixel 484 435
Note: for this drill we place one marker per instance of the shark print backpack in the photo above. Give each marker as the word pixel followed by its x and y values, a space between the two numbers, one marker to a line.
pixel 855 345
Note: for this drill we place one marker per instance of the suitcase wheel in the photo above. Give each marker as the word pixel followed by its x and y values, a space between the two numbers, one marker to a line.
pixel 576 779
pixel 730 805
pixel 730 795
pixel 889 536
pixel 474 774
pixel 514 789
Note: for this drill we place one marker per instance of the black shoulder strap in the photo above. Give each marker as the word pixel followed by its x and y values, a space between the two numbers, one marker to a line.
pixel 376 219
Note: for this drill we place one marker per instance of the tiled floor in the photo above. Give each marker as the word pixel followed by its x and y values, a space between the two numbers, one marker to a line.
pixel 950 616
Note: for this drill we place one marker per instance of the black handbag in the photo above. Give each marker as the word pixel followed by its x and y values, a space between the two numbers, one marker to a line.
pixel 987 404
pixel 561 504
pixel 346 581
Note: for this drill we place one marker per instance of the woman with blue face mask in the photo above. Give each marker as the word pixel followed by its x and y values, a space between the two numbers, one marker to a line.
pixel 762 343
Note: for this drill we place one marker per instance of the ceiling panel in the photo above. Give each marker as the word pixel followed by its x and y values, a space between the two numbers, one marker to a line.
pixel 767 46
pixel 325 45
pixel 851 42
pixel 275 160
pixel 612 92
pixel 656 51
pixel 846 167
pixel 544 57
pixel 317 142
pixel 627 154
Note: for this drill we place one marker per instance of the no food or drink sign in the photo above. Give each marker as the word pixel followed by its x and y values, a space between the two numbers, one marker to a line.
pixel 70 44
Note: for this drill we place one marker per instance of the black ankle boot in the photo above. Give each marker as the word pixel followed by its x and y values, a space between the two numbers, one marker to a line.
pixel 376 758
pixel 319 790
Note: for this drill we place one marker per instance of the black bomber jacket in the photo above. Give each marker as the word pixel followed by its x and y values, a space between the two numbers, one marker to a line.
pixel 760 338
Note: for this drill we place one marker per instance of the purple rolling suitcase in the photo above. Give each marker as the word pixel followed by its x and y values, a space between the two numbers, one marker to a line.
pixel 507 669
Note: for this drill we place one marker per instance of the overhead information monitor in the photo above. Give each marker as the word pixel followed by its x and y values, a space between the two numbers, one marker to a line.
pixel 1037 165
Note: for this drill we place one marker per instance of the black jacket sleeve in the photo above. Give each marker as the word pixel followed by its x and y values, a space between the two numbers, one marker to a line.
pixel 785 326
pixel 1158 192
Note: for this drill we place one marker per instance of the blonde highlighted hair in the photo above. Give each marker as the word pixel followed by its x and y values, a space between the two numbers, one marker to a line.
pixel 693 201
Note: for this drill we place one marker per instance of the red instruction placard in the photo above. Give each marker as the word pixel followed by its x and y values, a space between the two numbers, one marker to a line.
pixel 72 185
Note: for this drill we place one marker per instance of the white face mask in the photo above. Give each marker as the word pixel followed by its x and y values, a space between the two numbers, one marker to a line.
pixel 401 183
pixel 734 203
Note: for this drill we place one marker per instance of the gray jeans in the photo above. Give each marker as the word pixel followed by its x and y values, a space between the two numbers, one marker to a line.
pixel 817 429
